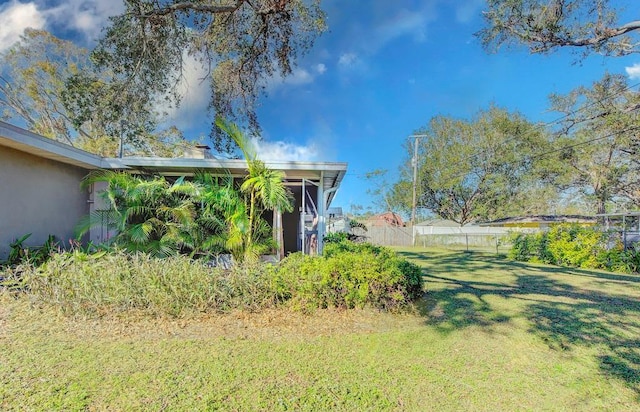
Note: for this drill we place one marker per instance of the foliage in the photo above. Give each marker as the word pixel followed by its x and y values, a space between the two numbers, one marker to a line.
pixel 529 247
pixel 95 284
pixel 523 337
pixel 204 216
pixel 597 140
pixel 19 253
pixel 350 235
pixel 544 26
pixel 575 246
pixel 264 188
pixel 241 44
pixel 32 81
pixel 54 88
pixel 482 169
pixel 348 275
pixel 385 196
pixel 200 217
pixel 351 275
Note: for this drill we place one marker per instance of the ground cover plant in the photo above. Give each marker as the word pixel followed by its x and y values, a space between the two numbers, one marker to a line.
pixel 490 334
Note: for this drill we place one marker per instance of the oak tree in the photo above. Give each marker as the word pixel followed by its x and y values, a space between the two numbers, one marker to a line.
pixel 481 169
pixel 45 86
pixel 547 25
pixel 598 139
pixel 241 42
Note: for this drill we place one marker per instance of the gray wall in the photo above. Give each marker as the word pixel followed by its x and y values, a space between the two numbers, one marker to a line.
pixel 38 196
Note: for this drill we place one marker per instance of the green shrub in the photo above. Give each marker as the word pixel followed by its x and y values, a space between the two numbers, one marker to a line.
pixel 575 246
pixel 348 275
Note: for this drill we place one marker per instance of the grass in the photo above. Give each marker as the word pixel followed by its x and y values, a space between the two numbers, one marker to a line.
pixel 489 335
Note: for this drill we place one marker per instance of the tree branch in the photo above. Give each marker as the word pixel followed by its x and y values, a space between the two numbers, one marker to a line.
pixel 187 5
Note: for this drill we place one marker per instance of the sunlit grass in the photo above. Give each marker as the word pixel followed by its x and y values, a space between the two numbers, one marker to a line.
pixel 489 335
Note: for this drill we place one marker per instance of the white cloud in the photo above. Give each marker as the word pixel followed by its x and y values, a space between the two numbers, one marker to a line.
pixel 282 151
pixel 348 59
pixel 85 16
pixel 15 17
pixel 195 92
pixel 633 71
pixel 404 23
pixel 298 77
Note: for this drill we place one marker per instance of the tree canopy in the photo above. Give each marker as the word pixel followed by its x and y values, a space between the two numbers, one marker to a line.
pixel 546 25
pixel 480 169
pixel 241 42
pixel 598 137
pixel 53 88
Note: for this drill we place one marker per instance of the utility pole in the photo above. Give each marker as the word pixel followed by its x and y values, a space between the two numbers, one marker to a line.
pixel 414 161
pixel 123 123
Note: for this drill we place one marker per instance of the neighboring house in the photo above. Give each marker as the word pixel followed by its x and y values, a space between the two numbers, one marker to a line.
pixel 540 222
pixel 386 219
pixel 40 188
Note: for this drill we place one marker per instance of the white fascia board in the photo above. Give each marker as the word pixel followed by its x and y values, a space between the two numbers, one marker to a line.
pixel 29 142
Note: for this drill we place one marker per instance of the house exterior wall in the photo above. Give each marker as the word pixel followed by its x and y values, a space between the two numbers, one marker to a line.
pixel 38 196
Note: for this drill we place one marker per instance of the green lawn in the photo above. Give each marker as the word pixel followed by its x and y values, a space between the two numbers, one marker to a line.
pixel 489 335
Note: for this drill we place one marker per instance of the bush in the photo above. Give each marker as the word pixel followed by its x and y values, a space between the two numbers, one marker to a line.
pixel 575 246
pixel 348 275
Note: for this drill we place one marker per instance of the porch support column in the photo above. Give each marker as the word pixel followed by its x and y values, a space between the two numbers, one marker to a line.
pixel 322 211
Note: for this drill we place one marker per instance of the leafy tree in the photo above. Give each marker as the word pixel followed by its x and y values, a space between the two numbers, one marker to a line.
pixel 598 138
pixel 383 192
pixel 39 86
pixel 242 42
pixel 546 25
pixel 481 169
pixel 32 80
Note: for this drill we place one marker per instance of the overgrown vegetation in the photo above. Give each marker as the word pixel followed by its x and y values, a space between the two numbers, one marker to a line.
pixel 112 282
pixel 207 215
pixel 575 246
pixel 490 334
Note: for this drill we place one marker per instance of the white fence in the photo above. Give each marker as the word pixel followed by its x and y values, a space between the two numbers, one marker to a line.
pixel 402 236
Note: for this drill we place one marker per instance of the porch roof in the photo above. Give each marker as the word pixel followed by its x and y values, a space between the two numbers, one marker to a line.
pixel 330 173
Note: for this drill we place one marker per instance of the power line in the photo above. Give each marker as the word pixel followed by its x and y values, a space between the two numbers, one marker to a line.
pixel 546 125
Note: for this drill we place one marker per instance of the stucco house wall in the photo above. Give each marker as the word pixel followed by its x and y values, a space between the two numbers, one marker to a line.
pixel 39 196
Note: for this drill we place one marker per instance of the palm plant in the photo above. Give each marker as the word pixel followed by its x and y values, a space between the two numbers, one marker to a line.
pixel 150 215
pixel 222 218
pixel 264 188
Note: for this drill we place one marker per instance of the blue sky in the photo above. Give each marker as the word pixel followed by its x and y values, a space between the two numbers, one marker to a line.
pixel 382 70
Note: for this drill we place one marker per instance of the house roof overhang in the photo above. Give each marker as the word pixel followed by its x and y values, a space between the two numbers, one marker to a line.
pixel 329 173
pixel 25 141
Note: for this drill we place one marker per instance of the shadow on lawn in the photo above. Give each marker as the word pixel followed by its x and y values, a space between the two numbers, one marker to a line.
pixel 605 314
